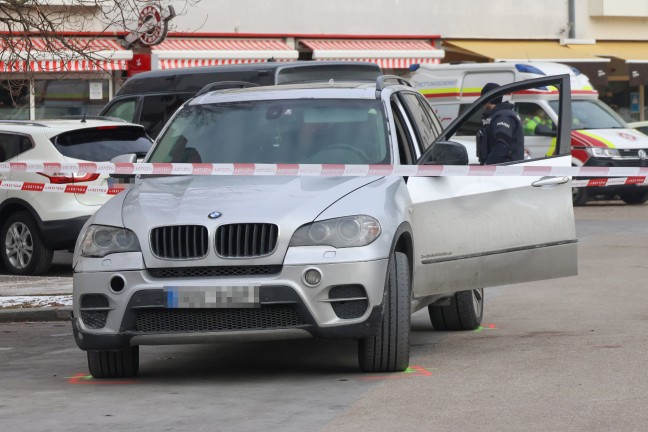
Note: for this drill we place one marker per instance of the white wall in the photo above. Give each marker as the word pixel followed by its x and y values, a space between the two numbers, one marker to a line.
pixel 535 19
pixel 612 28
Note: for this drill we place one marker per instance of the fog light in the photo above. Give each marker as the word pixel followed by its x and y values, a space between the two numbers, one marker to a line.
pixel 312 277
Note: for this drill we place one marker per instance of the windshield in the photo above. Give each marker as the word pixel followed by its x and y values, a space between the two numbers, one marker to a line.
pixel 317 131
pixel 592 114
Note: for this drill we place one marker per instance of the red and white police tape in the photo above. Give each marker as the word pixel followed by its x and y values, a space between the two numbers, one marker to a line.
pixel 318 170
pixel 604 176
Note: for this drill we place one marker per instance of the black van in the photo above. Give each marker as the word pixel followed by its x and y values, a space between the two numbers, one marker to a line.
pixel 150 98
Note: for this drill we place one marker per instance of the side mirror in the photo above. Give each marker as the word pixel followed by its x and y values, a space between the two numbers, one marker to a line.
pixel 447 153
pixel 543 130
pixel 125 158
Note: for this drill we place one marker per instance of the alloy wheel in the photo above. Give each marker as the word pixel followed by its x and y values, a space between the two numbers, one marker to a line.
pixel 19 245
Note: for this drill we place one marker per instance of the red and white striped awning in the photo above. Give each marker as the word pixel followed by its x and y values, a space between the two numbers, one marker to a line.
pixel 179 53
pixel 389 54
pixel 62 55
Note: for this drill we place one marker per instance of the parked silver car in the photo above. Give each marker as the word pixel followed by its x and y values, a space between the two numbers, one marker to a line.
pixel 194 259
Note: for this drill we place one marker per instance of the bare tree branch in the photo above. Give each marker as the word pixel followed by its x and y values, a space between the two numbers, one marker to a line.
pixel 33 32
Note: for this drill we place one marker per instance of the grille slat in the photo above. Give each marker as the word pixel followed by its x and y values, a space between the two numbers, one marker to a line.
pixel 196 320
pixel 179 242
pixel 246 240
pixel 184 272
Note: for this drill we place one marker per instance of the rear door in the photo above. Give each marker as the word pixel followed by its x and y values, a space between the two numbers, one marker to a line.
pixel 475 232
pixel 6 153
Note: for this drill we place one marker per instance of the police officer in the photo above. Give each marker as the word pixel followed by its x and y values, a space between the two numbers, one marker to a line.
pixel 500 138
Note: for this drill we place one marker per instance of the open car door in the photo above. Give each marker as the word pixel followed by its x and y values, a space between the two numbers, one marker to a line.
pixel 476 232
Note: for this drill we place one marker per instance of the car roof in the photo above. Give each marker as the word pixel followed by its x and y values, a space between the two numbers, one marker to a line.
pixel 264 66
pixel 52 127
pixel 190 80
pixel 319 90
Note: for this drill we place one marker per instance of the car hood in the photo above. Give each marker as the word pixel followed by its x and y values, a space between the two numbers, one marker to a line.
pixel 171 200
pixel 613 138
pixel 288 202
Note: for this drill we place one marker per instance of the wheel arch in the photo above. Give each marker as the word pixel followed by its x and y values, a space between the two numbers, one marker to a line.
pixel 14 205
pixel 404 242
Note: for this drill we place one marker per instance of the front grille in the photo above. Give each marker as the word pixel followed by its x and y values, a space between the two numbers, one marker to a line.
pixel 94 310
pixel 202 320
pixel 631 163
pixel 94 319
pixel 246 240
pixel 347 309
pixel 184 272
pixel 631 152
pixel 180 241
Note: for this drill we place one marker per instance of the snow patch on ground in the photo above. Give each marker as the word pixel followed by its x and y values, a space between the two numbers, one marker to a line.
pixel 20 302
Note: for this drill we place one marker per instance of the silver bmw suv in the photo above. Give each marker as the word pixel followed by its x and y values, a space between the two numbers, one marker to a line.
pixel 197 259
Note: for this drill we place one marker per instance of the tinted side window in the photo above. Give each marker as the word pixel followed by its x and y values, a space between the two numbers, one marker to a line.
pixel 123 109
pixel 472 125
pixel 12 145
pixel 158 109
pixel 405 140
pixel 102 144
pixel 426 129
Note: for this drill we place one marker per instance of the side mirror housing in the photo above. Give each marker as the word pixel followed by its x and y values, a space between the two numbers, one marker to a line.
pixel 447 153
pixel 125 158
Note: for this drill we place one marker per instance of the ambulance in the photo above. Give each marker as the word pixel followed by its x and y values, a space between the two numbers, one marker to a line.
pixel 599 136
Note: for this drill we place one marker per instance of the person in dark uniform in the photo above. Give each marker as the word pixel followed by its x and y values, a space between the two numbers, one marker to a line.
pixel 501 136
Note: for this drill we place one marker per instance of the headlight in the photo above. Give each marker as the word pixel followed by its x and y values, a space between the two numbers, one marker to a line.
pixel 350 231
pixel 100 240
pixel 602 151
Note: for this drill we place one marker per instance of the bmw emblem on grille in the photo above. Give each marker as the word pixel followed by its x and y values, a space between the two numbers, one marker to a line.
pixel 214 215
pixel 642 154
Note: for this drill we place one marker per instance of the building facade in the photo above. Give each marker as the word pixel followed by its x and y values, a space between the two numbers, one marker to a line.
pixel 606 39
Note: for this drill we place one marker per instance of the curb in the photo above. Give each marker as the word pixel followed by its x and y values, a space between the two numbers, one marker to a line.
pixel 35 314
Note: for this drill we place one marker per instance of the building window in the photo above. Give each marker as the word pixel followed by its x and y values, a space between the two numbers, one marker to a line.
pixel 14 100
pixel 56 98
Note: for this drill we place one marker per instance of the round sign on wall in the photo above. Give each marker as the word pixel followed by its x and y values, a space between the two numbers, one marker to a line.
pixel 153 25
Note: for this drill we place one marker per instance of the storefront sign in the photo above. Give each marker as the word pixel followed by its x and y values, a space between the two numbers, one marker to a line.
pixel 638 73
pixel 139 63
pixel 597 72
pixel 96 90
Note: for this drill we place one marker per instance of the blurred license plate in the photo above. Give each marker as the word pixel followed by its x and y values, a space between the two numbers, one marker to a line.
pixel 212 297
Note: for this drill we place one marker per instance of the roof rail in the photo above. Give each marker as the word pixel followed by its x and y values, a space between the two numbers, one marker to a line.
pixel 86 117
pixel 221 85
pixel 23 122
pixel 382 82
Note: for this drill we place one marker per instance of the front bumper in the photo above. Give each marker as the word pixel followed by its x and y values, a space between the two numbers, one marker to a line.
pixel 138 315
pixel 613 162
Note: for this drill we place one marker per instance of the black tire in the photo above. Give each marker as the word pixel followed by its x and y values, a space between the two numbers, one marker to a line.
pixel 634 197
pixel 22 249
pixel 464 312
pixel 114 364
pixel 580 196
pixel 388 351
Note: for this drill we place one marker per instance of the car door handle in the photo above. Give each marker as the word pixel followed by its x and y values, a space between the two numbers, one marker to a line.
pixel 550 181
